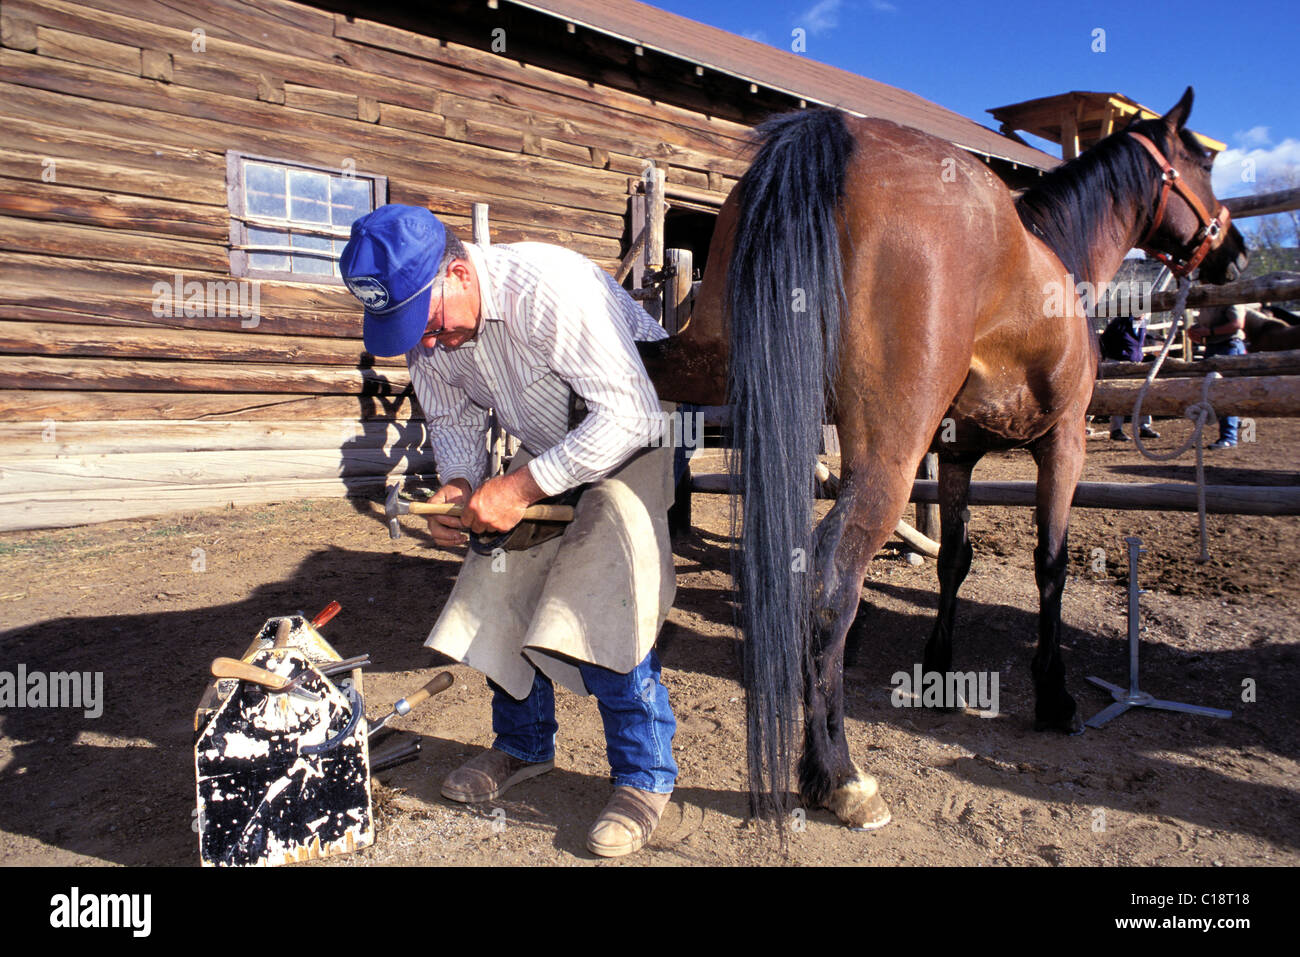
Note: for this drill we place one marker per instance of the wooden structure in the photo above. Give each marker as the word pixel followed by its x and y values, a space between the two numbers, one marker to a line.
pixel 131 385
pixel 1078 120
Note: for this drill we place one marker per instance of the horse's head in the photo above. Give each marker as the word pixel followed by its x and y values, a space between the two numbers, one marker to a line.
pixel 1188 226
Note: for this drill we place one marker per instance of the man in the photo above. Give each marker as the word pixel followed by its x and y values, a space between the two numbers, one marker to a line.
pixel 1122 341
pixel 523 328
pixel 1221 329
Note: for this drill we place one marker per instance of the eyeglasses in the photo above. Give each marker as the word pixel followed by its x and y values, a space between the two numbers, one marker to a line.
pixel 442 303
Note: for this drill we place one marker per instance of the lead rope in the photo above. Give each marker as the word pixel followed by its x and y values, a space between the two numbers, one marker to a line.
pixel 1199 412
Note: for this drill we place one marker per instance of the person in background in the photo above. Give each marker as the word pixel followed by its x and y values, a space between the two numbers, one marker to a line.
pixel 1221 329
pixel 1123 341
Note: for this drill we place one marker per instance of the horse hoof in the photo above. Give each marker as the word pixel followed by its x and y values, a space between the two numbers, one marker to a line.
pixel 859 804
pixel 1071 725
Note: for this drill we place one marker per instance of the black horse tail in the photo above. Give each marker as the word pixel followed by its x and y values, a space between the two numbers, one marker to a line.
pixel 785 290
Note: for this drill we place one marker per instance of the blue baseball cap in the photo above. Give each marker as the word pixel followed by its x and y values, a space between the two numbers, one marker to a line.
pixel 390 265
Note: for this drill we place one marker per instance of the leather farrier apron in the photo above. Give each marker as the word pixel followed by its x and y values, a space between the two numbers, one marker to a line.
pixel 599 593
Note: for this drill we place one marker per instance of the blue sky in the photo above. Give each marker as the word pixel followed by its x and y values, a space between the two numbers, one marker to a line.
pixel 1241 56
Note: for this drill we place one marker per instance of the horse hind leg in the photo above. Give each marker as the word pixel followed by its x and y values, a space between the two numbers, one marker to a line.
pixel 1059 456
pixel 954 555
pixel 847 539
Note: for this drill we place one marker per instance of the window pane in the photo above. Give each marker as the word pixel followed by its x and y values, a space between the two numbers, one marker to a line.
pixel 322 265
pixel 268 237
pixel 264 190
pixel 350 199
pixel 308 196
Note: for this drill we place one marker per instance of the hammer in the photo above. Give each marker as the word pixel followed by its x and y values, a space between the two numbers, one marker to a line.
pixel 394 506
pixel 277 684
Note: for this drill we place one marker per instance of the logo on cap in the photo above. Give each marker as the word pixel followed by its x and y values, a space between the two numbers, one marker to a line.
pixel 370 291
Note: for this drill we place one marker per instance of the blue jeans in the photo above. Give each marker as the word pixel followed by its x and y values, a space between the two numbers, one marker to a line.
pixel 1233 347
pixel 639 723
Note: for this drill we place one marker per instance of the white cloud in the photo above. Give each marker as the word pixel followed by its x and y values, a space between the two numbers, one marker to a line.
pixel 758 36
pixel 822 16
pixel 1237 171
pixel 1255 136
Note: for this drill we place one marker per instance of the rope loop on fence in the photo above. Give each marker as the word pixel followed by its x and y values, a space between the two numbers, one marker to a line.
pixel 1199 412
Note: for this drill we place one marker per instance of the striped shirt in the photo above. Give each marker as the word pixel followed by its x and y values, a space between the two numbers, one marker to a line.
pixel 551 320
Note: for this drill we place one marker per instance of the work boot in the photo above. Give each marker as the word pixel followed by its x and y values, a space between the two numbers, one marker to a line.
pixel 1224 444
pixel 489 775
pixel 627 822
pixel 1117 435
pixel 1149 433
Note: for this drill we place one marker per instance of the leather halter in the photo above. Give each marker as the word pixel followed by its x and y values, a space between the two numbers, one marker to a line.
pixel 1211 227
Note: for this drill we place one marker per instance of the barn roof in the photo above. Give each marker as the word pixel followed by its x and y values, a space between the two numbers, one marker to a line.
pixel 798 76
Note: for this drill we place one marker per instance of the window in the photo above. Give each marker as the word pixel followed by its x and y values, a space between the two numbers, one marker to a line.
pixel 290 220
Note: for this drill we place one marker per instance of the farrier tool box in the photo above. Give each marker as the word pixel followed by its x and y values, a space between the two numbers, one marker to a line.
pixel 282 777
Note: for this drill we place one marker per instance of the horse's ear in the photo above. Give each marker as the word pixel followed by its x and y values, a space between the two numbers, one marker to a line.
pixel 1176 118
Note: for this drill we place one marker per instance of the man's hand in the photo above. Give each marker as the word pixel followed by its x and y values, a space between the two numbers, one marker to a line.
pixel 1197 333
pixel 499 503
pixel 448 529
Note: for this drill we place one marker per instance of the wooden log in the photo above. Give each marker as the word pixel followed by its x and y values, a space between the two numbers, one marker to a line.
pixel 102 161
pixel 1275 287
pixel 17 33
pixel 320 101
pixel 59 406
pixel 66 240
pixel 65 509
pixel 1264 204
pixel 918 541
pixel 98 207
pixel 709 198
pixel 1245 395
pixel 144 469
pixel 57 339
pixel 124 313
pixel 126 292
pixel 1274 363
pixel 653 182
pixel 60 44
pixel 156 65
pixel 120 375
pixel 632 257
pixel 482 235
pixel 677 290
pixel 51 439
pixel 1174 497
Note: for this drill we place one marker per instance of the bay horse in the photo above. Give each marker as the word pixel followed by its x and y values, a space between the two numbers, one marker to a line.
pixel 880 275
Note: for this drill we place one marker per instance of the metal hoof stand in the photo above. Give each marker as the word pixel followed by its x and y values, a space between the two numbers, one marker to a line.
pixel 1132 697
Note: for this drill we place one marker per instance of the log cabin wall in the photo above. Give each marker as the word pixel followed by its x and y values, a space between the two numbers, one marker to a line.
pixel 118 117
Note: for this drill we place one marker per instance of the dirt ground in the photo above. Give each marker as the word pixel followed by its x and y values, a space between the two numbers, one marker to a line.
pixel 1150 788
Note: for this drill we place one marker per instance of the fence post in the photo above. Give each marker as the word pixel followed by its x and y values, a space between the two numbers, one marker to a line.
pixel 677 290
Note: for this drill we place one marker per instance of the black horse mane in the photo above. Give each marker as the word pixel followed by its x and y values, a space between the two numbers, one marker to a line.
pixel 1069 206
